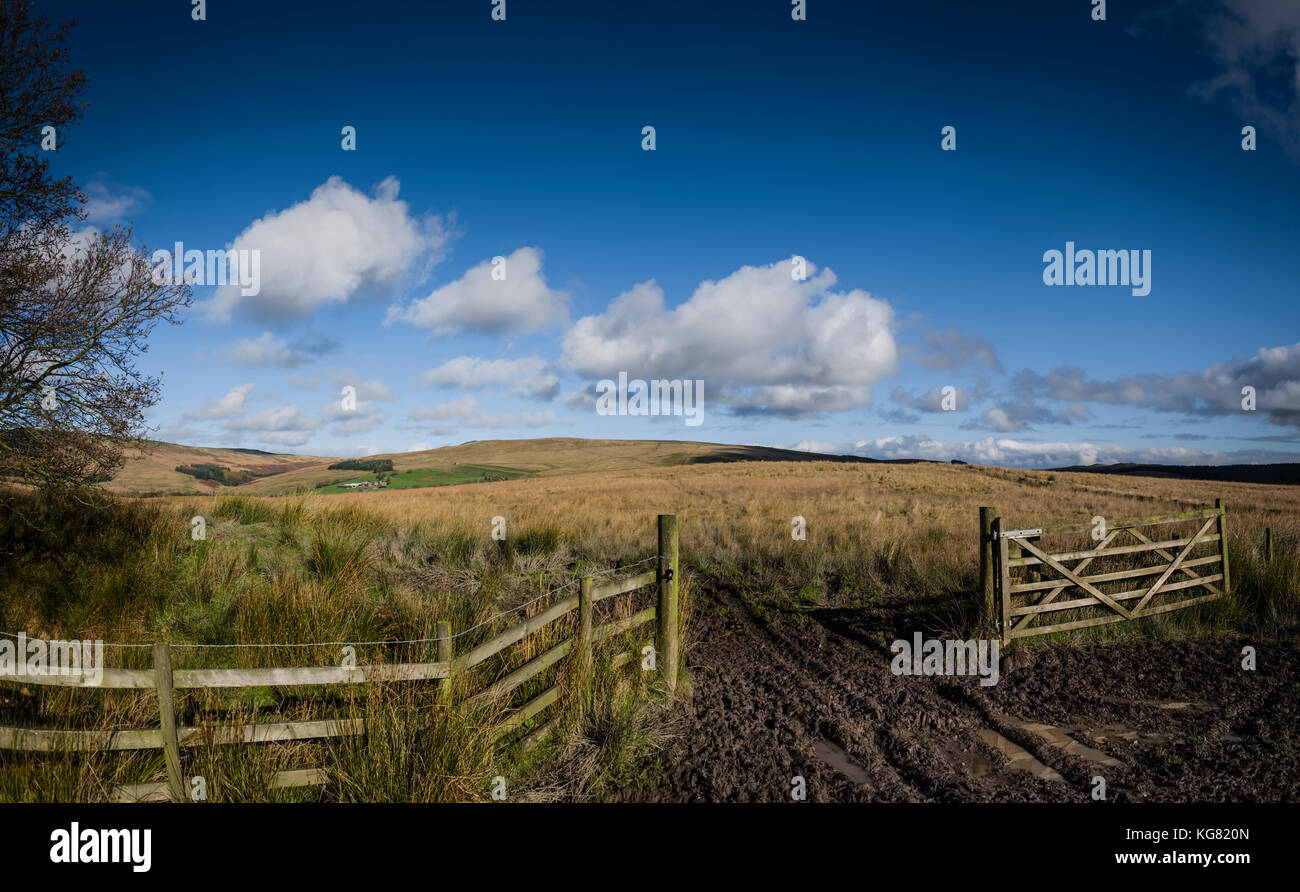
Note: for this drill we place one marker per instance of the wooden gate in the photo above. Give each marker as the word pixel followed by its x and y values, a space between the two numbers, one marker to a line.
pixel 1024 582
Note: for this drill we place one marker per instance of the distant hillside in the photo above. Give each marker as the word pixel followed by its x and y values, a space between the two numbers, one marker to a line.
pixel 548 456
pixel 154 470
pixel 1287 473
pixel 154 473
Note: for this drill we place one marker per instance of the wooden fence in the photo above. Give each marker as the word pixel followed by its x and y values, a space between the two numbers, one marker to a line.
pixel 165 680
pixel 1022 580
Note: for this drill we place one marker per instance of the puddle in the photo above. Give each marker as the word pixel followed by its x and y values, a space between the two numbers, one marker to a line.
pixel 1020 758
pixel 1058 738
pixel 836 758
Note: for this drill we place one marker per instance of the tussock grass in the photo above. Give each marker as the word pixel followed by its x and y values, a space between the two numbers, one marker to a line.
pixel 286 573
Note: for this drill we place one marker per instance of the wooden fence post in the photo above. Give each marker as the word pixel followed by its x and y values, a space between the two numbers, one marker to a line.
pixel 443 634
pixel 584 643
pixel 990 617
pixel 1223 545
pixel 162 671
pixel 1268 544
pixel 667 610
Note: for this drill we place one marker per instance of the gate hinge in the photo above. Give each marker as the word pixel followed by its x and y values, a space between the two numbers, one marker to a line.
pixel 1017 534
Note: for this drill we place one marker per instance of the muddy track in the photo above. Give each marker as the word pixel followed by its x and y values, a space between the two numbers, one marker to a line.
pixel 809 695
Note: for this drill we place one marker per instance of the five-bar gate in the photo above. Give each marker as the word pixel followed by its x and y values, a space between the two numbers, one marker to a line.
pixel 1031 590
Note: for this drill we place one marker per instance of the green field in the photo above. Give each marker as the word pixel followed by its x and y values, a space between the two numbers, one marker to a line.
pixel 416 478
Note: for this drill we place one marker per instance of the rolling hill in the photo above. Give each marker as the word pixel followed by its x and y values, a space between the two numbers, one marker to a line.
pixel 153 472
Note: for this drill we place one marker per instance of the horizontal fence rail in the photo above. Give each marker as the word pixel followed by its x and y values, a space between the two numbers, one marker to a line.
pixel 1017 599
pixel 165 680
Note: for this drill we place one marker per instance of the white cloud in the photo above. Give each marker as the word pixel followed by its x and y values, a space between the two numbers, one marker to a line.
pixel 448 411
pixel 349 424
pixel 762 342
pixel 228 406
pixel 109 204
pixel 266 350
pixel 339 378
pixel 336 245
pixel 998 420
pixel 467 412
pixel 529 376
pixel 276 418
pixel 476 301
pixel 285 438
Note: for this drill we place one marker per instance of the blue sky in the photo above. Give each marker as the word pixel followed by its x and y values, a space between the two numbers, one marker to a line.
pixel 775 138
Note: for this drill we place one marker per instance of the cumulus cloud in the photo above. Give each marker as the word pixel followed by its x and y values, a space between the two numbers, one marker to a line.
pixel 529 376
pixel 1020 412
pixel 361 419
pixel 359 422
pixel 762 342
pixel 228 406
pixel 336 245
pixel 266 350
pixel 338 378
pixel 467 412
pixel 361 414
pixel 518 301
pixel 448 411
pixel 282 425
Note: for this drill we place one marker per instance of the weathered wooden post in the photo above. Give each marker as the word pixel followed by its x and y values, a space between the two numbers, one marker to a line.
pixel 584 643
pixel 1268 544
pixel 162 673
pixel 987 516
pixel 442 630
pixel 667 610
pixel 1223 545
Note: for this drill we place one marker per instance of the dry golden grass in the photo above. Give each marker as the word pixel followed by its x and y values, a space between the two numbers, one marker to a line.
pixel 725 506
pixel 153 473
pixel 543 457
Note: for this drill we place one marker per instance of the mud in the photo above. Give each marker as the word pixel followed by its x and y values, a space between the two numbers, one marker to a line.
pixel 812 695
